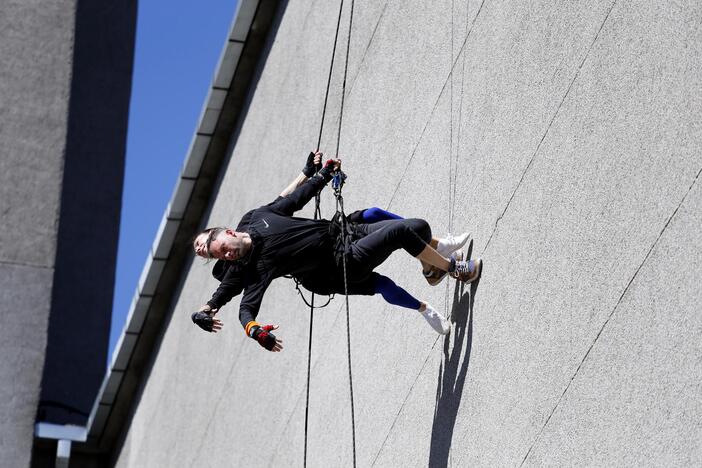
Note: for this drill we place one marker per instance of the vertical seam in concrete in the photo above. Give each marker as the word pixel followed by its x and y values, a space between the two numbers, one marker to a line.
pixel 611 314
pixel 274 452
pixel 548 128
pixel 26 264
pixel 450 153
pixel 301 393
pixel 436 103
pixel 402 406
pixel 450 210
pixel 365 51
pixel 215 407
pixel 460 125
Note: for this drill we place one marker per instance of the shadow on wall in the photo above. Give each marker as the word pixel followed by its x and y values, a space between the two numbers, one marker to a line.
pixel 453 371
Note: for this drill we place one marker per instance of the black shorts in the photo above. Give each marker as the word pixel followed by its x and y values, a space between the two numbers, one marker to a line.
pixel 333 283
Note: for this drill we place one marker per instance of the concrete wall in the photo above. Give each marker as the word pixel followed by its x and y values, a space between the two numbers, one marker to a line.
pixel 64 98
pixel 566 139
pixel 91 200
pixel 36 46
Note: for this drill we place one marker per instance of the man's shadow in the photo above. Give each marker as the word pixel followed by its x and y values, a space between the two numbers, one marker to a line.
pixel 452 373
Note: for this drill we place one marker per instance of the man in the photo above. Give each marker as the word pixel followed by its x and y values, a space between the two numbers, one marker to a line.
pixel 269 242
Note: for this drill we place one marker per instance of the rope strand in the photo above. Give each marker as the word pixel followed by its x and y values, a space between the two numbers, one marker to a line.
pixel 317 215
pixel 343 85
pixel 340 207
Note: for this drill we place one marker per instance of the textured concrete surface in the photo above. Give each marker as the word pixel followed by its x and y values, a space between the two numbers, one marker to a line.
pixel 91 199
pixel 64 98
pixel 36 45
pixel 25 302
pixel 566 139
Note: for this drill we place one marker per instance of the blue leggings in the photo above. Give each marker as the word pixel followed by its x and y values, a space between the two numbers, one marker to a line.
pixel 375 214
pixel 391 292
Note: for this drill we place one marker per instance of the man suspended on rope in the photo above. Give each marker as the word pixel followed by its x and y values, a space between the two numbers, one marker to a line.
pixel 269 242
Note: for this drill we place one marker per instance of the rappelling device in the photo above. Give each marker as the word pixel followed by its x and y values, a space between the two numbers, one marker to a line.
pixel 337 182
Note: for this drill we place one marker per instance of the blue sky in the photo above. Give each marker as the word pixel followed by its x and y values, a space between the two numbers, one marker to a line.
pixel 178 43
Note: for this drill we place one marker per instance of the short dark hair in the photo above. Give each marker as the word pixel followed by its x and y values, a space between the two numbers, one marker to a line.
pixel 212 233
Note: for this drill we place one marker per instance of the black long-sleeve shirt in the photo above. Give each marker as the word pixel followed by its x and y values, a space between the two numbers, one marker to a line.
pixel 281 245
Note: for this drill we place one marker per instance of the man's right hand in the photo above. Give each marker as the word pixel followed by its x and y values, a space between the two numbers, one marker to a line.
pixel 330 167
pixel 333 164
pixel 204 318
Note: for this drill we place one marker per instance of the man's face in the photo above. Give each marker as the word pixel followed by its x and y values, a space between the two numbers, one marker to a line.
pixel 227 245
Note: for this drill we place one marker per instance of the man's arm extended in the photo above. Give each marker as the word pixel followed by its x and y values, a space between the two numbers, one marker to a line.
pixel 303 194
pixel 248 310
pixel 314 161
pixel 231 285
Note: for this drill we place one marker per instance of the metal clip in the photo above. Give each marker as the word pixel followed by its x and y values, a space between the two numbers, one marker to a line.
pixel 338 181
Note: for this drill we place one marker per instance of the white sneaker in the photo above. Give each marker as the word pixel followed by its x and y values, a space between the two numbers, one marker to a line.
pixel 449 244
pixel 437 321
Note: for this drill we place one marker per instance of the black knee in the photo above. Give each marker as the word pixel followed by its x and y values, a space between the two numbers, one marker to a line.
pixel 416 234
pixel 356 216
pixel 421 228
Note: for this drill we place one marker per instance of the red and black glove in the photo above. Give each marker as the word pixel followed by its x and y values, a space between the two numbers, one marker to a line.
pixel 328 170
pixel 264 336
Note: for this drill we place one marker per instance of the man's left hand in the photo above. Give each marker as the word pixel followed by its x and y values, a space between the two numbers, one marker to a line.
pixel 313 164
pixel 267 339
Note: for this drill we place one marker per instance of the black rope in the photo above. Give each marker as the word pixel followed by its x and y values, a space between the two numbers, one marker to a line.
pixel 311 303
pixel 331 68
pixel 317 215
pixel 340 209
pixel 343 85
pixel 309 368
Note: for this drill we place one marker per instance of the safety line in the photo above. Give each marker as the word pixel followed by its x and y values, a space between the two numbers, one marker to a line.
pixel 331 68
pixel 309 368
pixel 317 215
pixel 340 207
pixel 343 85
